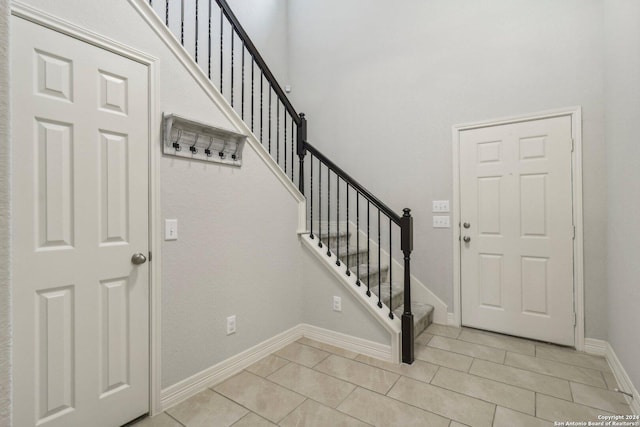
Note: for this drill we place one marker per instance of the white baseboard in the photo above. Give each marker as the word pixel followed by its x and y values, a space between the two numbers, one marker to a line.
pixel 603 348
pixel 219 372
pixel 451 320
pixel 348 342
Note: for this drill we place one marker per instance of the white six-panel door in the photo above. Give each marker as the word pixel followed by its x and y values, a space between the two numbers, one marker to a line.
pixel 80 211
pixel 516 212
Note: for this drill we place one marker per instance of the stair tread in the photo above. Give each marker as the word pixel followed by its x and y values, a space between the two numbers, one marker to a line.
pixel 421 316
pixel 342 251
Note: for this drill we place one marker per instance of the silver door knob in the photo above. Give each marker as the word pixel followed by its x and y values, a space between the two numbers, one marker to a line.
pixel 466 225
pixel 138 259
pixel 466 239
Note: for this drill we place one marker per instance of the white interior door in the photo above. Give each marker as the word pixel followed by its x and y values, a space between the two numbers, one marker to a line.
pixel 80 208
pixel 516 212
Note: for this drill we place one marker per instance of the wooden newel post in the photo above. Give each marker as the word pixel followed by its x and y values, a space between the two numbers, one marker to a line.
pixel 301 149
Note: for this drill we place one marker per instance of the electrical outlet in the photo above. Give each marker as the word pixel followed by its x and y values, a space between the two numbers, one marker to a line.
pixel 441 221
pixel 231 325
pixel 337 304
pixel 170 229
pixel 440 206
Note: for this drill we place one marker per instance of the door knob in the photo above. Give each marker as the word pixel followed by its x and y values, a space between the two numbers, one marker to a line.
pixel 466 225
pixel 138 259
pixel 466 239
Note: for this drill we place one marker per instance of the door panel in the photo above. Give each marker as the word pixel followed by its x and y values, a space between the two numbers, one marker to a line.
pixel 515 192
pixel 80 207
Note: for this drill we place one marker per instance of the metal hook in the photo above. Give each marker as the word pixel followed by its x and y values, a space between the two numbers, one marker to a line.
pixel 193 148
pixel 221 153
pixel 207 151
pixel 176 143
pixel 234 155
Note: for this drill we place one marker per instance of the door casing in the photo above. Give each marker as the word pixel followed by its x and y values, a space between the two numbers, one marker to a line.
pixel 59 25
pixel 575 113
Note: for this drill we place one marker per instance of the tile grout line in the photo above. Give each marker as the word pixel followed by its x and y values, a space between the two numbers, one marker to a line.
pixel 173 418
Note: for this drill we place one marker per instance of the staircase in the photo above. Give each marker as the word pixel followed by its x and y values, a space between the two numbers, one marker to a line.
pixel 357 232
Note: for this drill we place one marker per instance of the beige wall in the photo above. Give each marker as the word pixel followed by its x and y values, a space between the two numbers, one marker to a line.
pixel 382 86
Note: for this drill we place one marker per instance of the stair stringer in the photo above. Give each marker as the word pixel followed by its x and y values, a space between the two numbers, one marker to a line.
pixel 392 326
pixel 419 291
pixel 184 57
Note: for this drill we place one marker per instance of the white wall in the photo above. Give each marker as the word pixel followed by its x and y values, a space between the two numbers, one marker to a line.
pixel 5 231
pixel 622 88
pixel 382 85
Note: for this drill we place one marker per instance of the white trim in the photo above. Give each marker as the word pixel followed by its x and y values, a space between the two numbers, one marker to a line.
pixel 603 348
pixel 181 54
pixel 155 272
pixel 578 261
pixel 219 372
pixel 359 292
pixel 452 320
pixel 348 342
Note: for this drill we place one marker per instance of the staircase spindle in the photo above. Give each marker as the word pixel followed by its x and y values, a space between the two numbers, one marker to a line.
pixel 368 251
pixel 311 195
pixel 278 132
pixel 253 111
pixel 328 212
pixel 261 103
pixel 221 51
pixel 348 272
pixel 293 164
pixel 166 13
pixel 379 265
pixel 284 141
pixel 242 86
pixel 319 203
pixel 182 22
pixel 209 42
pixel 269 121
pixel 390 271
pixel 233 74
pixel 357 238
pixel 197 33
pixel 338 219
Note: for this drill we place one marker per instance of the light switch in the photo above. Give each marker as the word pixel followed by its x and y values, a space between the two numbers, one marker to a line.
pixel 170 229
pixel 441 221
pixel 440 206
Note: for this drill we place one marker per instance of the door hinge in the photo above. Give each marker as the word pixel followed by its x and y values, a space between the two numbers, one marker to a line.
pixel 150 257
pixel 575 319
pixel 574 232
pixel 573 145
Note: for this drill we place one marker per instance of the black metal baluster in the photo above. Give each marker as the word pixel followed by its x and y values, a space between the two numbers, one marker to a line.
pixel 348 263
pixel 328 212
pixel 221 50
pixel 368 251
pixel 379 265
pixel 233 37
pixel 319 202
pixel 337 219
pixel 390 271
pixel 278 131
pixel 293 164
pixel 284 141
pixel 242 92
pixel 261 103
pixel 269 118
pixel 253 66
pixel 358 238
pixel 166 13
pixel 197 33
pixel 311 181
pixel 182 22
pixel 209 43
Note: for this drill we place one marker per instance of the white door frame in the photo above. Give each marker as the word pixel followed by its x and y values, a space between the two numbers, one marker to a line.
pixel 44 19
pixel 575 113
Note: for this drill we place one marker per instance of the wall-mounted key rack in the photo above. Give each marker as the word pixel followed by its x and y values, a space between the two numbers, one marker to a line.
pixel 194 140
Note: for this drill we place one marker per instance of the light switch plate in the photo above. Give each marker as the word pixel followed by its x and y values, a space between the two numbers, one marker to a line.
pixel 170 229
pixel 441 221
pixel 440 206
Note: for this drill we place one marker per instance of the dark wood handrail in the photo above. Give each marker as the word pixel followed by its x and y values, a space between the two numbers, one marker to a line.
pixel 226 9
pixel 354 184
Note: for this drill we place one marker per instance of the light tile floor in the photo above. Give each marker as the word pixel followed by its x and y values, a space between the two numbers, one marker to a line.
pixel 460 377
